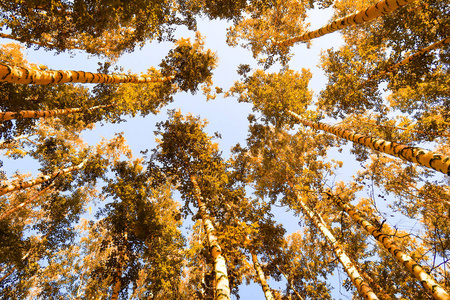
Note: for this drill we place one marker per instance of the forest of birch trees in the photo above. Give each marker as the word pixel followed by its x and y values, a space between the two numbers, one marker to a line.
pixel 100 221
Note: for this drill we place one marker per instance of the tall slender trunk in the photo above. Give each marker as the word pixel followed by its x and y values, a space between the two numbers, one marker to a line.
pixel 222 286
pixel 419 53
pixel 412 266
pixel 121 260
pixel 363 288
pixel 417 155
pixel 13 74
pixel 117 286
pixel 14 186
pixel 393 68
pixel 381 8
pixel 23 204
pixel 28 114
pixel 5 143
pixel 289 281
pixel 373 283
pixel 262 279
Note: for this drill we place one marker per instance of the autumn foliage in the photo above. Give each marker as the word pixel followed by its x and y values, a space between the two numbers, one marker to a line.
pixel 349 164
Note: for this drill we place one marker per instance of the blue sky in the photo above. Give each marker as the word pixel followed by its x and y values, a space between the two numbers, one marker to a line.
pixel 225 116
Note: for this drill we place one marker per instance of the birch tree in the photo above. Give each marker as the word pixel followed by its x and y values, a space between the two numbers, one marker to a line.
pixel 14 186
pixel 363 287
pixel 136 242
pixel 262 278
pixel 420 156
pixel 274 157
pixel 15 98
pixel 5 116
pixel 13 74
pixel 189 158
pixel 191 63
pixel 398 50
pixel 426 280
pixel 34 230
pixel 370 13
pixel 417 197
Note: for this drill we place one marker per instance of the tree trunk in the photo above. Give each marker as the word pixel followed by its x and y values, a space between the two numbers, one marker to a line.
pixel 289 281
pixel 14 186
pixel 21 75
pixel 121 260
pixel 12 37
pixel 23 204
pixel 7 142
pixel 117 286
pixel 413 267
pixel 417 155
pixel 7 274
pixel 380 290
pixel 28 114
pixel 262 279
pixel 393 68
pixel 363 288
pixel 421 52
pixel 363 16
pixel 222 289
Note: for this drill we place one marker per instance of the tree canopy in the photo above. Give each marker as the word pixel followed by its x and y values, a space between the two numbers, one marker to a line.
pixel 339 189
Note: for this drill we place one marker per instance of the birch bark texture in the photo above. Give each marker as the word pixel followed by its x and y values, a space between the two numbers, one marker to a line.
pixel 363 287
pixel 23 204
pixel 430 159
pixel 222 286
pixel 30 114
pixel 379 9
pixel 13 74
pixel 14 186
pixel 261 277
pixel 407 261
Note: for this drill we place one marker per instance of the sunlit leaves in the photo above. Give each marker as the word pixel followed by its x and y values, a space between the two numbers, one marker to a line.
pixel 349 89
pixel 190 64
pixel 99 27
pixel 272 94
pixel 263 24
pixel 137 241
pixel 186 150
